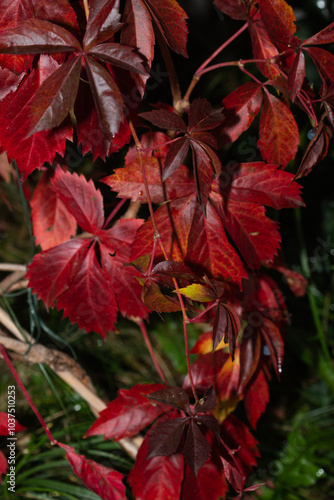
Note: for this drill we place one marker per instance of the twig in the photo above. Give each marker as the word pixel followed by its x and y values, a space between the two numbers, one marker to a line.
pixel 86 7
pixel 12 267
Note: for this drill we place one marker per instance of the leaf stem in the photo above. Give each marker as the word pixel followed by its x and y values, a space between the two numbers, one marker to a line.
pixel 114 212
pixel 25 392
pixel 143 330
pixel 200 70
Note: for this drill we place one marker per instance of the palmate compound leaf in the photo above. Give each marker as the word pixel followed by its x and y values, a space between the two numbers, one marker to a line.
pixel 105 482
pixel 157 478
pixel 52 222
pixel 90 291
pixel 129 413
pixel 32 152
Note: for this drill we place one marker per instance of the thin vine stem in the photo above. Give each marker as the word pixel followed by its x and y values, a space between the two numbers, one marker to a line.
pixel 26 394
pixel 157 236
pixel 201 70
pixel 149 346
pixel 114 212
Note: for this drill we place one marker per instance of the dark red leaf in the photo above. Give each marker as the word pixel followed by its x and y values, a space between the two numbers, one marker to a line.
pixel 273 339
pixel 129 413
pixel 256 398
pixel 240 109
pixel 165 437
pixel 165 119
pixel 55 97
pixel 296 75
pixel 297 282
pixel 202 116
pixel 173 269
pixel 119 55
pixel 279 18
pixel 227 326
pixel 52 222
pixel 250 352
pixel 104 21
pixel 155 300
pixel 196 447
pixel 60 12
pixel 33 152
pixel 81 198
pixel 263 47
pixel 105 482
pixel 35 36
pixel 175 156
pixel 207 403
pixel 233 8
pixel 154 144
pixel 279 135
pixel 209 249
pixel 316 150
pixel 108 99
pixel 157 478
pixel 324 36
pixel 170 19
pixel 173 396
pixel 210 483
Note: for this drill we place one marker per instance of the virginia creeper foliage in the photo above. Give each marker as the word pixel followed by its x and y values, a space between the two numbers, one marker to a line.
pixel 207 242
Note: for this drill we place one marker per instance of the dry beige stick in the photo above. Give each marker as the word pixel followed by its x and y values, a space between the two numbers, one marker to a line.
pixel 13 282
pixel 4 266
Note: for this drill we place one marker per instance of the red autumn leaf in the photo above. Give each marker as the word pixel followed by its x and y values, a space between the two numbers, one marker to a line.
pixel 81 199
pixel 209 483
pixel 129 413
pixel 9 82
pixel 157 478
pixel 104 21
pixel 279 18
pixel 55 97
pixel 205 370
pixel 279 136
pixel 33 152
pixel 4 428
pixel 165 119
pixel 105 482
pixel 153 143
pixel 323 61
pixel 240 108
pixel 273 340
pixel 226 326
pixel 52 222
pixel 258 182
pixel 170 19
pixel 263 47
pixel 250 353
pixel 175 156
pixel 297 282
pixel 233 8
pixel 316 150
pixel 324 36
pixel 296 75
pixel 128 182
pixel 256 398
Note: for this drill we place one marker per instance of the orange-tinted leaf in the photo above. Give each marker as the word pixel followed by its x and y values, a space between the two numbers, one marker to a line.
pixel 105 482
pixel 81 198
pixel 198 292
pixel 128 182
pixel 129 413
pixel 55 97
pixel 52 222
pixel 279 135
pixel 233 8
pixel 278 17
pixel 263 47
pixel 155 300
pixel 240 109
pixel 256 398
pixel 157 478
pixel 296 75
pixel 209 249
